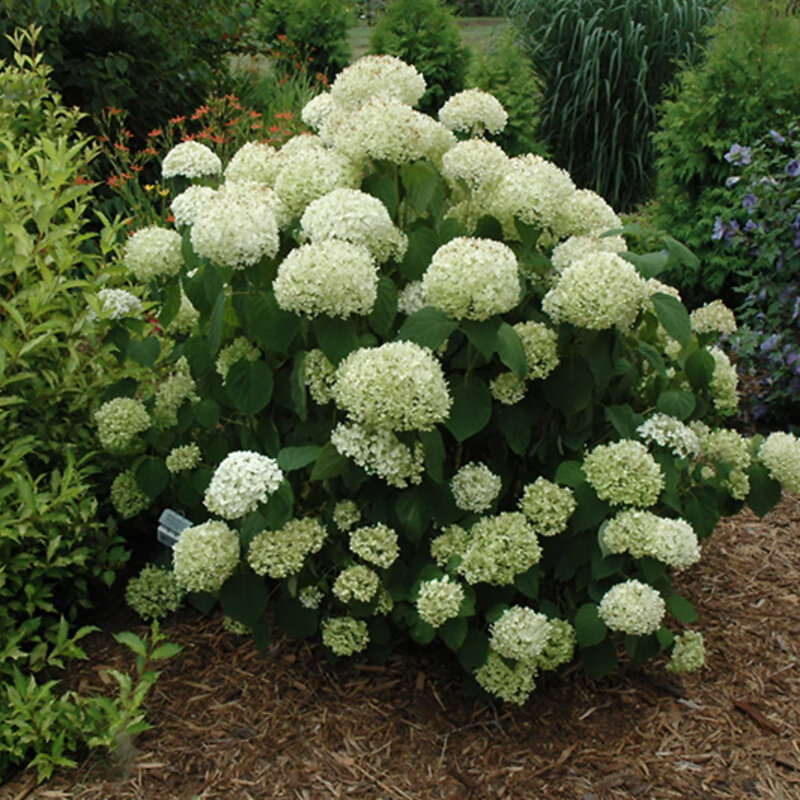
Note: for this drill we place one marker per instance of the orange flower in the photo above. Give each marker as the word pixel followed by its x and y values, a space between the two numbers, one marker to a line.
pixel 170 218
pixel 274 128
pixel 81 181
pixel 254 114
pixel 150 151
pixel 255 127
pixel 187 137
pixel 114 111
pixel 199 112
pixel 155 132
pixel 118 146
pixel 178 120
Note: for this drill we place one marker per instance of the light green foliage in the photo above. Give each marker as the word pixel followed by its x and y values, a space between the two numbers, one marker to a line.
pixel 603 67
pixel 424 33
pixel 748 83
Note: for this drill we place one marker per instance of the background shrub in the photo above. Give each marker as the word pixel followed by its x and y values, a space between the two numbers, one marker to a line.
pixel 603 68
pixel 424 33
pixel 746 84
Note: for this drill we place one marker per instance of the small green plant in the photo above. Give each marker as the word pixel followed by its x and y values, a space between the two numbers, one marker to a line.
pixel 424 33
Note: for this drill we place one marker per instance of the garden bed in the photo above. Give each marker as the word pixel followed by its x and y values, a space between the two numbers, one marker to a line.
pixel 229 724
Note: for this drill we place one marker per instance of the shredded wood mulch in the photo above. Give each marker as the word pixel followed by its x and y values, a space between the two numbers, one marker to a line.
pixel 232 725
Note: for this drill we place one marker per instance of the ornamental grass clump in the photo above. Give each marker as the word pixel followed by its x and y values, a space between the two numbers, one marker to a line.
pixel 442 404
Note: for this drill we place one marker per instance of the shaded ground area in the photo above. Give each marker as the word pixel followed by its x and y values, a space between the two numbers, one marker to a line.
pixel 234 726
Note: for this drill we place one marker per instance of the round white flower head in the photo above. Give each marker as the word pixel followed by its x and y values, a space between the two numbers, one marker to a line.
pixel 724 384
pixel 191 160
pixel 731 448
pixel 586 213
pixel 183 458
pixel 688 653
pixel 547 506
pixel 281 553
pixel 475 487
pixel 439 600
pixel 153 251
pixel 205 556
pixel 153 593
pixel 507 388
pixel 473 111
pixel 319 375
pixel 473 279
pixel 376 544
pixel 540 344
pixel 560 645
pixel 624 473
pixel 346 514
pixel 259 194
pixel 533 189
pixel 632 607
pixel 310 597
pixel 356 583
pixel 356 217
pixel 411 298
pixel 311 172
pixel 119 422
pixel 398 386
pixel 253 161
pixel 240 349
pixel 451 542
pixel 713 317
pixel 172 393
pixel 476 162
pixel 187 205
pixel 237 227
pixel 579 247
pixel 231 625
pixel 332 277
pixel 387 130
pixel 241 481
pixel 186 318
pixel 780 454
pixel 377 76
pixel 381 453
pixel 521 633
pixel 642 533
pixel 126 496
pixel 597 292
pixel 117 304
pixel 317 110
pixel 499 548
pixel 666 431
pixel 345 636
pixel 512 684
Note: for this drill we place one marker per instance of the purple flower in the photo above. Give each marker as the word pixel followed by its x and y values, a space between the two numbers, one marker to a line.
pixel 750 226
pixel 719 229
pixel 749 201
pixel 793 168
pixel 768 345
pixel 732 181
pixel 732 230
pixel 738 154
pixel 777 137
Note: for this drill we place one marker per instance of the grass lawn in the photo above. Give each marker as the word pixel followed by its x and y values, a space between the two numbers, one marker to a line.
pixel 476 32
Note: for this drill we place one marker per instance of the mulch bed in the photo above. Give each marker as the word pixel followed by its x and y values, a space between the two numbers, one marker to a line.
pixel 231 725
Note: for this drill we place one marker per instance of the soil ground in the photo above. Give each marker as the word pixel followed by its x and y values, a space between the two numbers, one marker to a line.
pixel 229 724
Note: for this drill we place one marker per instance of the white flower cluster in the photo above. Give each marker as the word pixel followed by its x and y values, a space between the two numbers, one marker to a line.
pixel 452 541
pixel 473 279
pixel 319 376
pixel 473 111
pixel 724 384
pixel 172 393
pixel 780 454
pixel 398 386
pixel 253 161
pixel 624 473
pixel 642 533
pixel 237 227
pixel 317 110
pixel 508 388
pixel 116 304
pixel 666 431
pixel 560 646
pixel 281 553
pixel 356 583
pixel 153 593
pixel 205 556
pixel 439 600
pixel 512 684
pixel 241 481
pixel 475 487
pixel 310 597
pixel 331 277
pixel 356 217
pixel 153 251
pixel 126 496
pixel 377 76
pixel 240 349
pixel 346 514
pixel 190 160
pixel 183 458
pixel 713 317
pixel 376 544
pixel 731 448
pixel 547 506
pixel 186 206
pixel 577 248
pixel 476 162
pixel 186 318
pixel 540 344
pixel 521 633
pixel 597 292
pixel 411 298
pixel 632 607
pixel 345 636
pixel 587 213
pixel 499 548
pixel 119 422
pixel 379 452
pixel 688 653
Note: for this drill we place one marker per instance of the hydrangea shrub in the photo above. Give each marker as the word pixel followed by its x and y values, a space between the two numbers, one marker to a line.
pixel 424 393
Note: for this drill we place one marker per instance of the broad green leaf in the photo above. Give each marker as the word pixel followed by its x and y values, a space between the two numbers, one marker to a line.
pixel 515 423
pixel 680 253
pixel 336 337
pixel 207 412
pixel 474 651
pixel 420 181
pixel 591 509
pixel 528 582
pixel 589 627
pixel 385 309
pixel 681 608
pixel 673 316
pixel 422 633
pixel 434 454
pixel 569 388
pixel 423 242
pixel 511 351
pixel 244 596
pixel 570 473
pixel 269 324
pixel 167 650
pixel 471 409
pixel 678 404
pixel 297 387
pixel 599 660
pixel 249 385
pixel 428 327
pixel 152 476
pixel 171 304
pixel 765 491
pixel 132 642
pixel 383 187
pixel 295 619
pixel 454 632
pixel 215 323
pixel 699 368
pixel 483 335
pixel 648 265
pixel 291 458
pixel 624 419
pixel 144 351
pixel 279 509
pixel 329 464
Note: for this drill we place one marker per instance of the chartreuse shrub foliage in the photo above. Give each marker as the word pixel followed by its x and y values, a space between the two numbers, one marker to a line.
pixel 417 392
pixel 603 67
pixel 747 84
